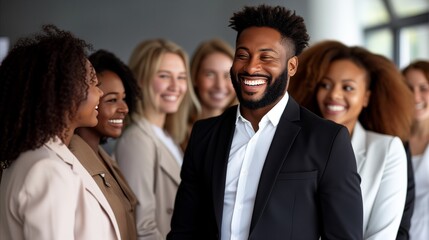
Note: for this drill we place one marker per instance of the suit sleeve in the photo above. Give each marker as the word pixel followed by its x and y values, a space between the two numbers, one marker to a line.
pixel 48 201
pixel 339 192
pixel 389 203
pixel 185 220
pixel 404 227
pixel 136 155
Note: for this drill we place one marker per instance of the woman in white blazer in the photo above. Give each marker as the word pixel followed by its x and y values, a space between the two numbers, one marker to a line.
pixel 148 151
pixel 366 93
pixel 417 78
pixel 48 89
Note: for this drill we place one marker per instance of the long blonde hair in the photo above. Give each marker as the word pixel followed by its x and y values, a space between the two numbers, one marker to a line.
pixel 144 63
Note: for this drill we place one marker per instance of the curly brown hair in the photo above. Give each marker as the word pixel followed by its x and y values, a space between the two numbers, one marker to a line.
pixel 43 81
pixel 390 105
pixel 290 25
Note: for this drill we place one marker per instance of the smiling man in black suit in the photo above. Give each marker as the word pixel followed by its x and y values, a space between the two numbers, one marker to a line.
pixel 268 169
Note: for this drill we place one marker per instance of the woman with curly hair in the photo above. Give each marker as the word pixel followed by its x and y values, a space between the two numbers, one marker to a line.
pixel 417 77
pixel 120 93
pixel 49 89
pixel 364 92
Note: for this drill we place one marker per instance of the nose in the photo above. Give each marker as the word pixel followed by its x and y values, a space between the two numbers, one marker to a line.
pixel 100 92
pixel 253 65
pixel 335 92
pixel 219 81
pixel 417 95
pixel 123 107
pixel 174 82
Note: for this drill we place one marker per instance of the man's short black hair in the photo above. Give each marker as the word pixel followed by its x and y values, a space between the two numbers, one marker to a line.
pixel 290 25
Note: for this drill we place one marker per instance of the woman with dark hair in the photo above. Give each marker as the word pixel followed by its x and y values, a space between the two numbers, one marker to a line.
pixel 120 93
pixel 364 92
pixel 417 77
pixel 49 88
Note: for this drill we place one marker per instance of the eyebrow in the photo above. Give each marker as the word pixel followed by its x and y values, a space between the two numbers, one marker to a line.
pixel 112 93
pixel 342 80
pixel 260 50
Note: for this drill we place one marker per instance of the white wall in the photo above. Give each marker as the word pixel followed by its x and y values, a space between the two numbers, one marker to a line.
pixel 335 19
pixel 118 26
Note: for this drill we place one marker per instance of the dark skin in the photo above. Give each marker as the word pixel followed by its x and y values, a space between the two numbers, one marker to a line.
pixel 261 52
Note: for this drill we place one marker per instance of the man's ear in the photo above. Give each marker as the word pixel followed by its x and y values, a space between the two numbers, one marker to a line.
pixel 292 65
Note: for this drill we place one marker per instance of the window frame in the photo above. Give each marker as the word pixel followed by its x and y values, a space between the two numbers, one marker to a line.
pixel 395 25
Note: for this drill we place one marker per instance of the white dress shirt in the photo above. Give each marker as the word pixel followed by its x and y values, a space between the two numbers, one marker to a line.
pixel 245 163
pixel 169 143
pixel 420 219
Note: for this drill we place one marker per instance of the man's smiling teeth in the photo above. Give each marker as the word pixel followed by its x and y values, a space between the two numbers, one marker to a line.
pixel 116 121
pixel 335 108
pixel 254 82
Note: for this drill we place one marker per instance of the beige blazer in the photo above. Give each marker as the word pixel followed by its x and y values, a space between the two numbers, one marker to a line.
pixel 108 177
pixel 47 194
pixel 154 176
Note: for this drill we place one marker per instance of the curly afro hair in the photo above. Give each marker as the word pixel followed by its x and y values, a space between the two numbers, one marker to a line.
pixel 43 81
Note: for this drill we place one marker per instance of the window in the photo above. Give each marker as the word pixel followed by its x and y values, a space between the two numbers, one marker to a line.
pixel 397 29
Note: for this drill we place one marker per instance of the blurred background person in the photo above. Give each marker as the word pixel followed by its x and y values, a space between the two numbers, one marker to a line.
pixel 364 92
pixel 210 67
pixel 120 93
pixel 148 151
pixel 49 89
pixel 417 78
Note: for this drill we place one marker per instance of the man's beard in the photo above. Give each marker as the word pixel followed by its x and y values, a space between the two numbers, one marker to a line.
pixel 272 93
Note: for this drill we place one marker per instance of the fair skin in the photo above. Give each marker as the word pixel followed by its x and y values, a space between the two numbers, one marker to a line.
pixel 343 93
pixel 260 54
pixel 86 115
pixel 213 84
pixel 169 86
pixel 112 110
pixel 420 87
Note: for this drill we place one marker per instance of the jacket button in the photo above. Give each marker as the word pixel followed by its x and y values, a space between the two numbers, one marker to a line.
pixel 170 211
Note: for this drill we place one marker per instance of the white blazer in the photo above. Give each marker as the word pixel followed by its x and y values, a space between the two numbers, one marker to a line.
pixel 47 194
pixel 382 165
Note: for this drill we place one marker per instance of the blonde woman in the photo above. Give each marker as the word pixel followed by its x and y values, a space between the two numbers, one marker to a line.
pixel 148 152
pixel 210 66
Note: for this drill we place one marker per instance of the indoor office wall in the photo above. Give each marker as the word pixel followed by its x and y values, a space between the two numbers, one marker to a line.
pixel 118 26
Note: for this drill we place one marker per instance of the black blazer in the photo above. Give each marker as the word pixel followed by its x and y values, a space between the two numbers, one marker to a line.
pixel 309 186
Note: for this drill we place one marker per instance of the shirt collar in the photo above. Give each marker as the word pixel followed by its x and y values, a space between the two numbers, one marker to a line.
pixel 273 115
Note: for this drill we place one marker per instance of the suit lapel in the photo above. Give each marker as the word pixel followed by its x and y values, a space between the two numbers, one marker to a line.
pixel 168 164
pixel 277 154
pixel 116 172
pixel 90 185
pixel 359 145
pixel 220 158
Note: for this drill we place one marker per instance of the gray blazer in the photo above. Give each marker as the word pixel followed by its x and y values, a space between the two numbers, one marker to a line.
pixel 154 176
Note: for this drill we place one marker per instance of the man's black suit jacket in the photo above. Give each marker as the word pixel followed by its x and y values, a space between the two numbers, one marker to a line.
pixel 309 186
